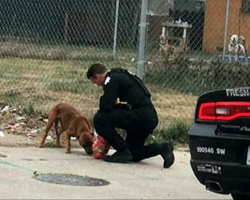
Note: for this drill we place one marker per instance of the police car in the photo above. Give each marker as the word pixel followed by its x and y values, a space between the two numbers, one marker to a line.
pixel 219 142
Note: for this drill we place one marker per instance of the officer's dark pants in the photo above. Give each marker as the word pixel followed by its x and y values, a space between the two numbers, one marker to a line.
pixel 138 123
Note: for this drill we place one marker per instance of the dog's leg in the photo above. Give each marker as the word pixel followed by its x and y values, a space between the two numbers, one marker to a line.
pixel 58 142
pixel 246 58
pixel 245 55
pixel 58 132
pixel 42 141
pixel 236 56
pixel 67 142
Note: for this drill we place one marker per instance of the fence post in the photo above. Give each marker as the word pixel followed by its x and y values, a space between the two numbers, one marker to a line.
pixel 226 29
pixel 142 40
pixel 116 25
pixel 66 27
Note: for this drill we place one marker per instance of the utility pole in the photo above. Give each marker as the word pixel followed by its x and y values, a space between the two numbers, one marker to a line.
pixel 142 40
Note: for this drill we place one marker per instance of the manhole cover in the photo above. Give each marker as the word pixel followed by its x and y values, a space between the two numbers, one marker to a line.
pixel 70 179
pixel 2 156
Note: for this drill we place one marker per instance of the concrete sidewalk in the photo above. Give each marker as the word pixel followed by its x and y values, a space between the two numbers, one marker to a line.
pixel 144 180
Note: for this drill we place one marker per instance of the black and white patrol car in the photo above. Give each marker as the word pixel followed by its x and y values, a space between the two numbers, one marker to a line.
pixel 219 142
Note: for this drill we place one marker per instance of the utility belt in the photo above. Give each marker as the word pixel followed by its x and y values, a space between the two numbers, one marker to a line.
pixel 142 106
pixel 122 104
pixel 126 105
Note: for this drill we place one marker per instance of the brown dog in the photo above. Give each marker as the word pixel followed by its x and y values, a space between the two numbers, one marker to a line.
pixel 72 124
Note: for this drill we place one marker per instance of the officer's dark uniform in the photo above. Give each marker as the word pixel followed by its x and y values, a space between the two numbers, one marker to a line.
pixel 139 118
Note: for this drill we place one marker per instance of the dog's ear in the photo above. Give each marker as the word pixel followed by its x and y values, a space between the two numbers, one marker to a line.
pixel 84 138
pixel 242 37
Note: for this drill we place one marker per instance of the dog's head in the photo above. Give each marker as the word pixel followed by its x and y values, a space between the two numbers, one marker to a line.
pixel 234 39
pixel 86 140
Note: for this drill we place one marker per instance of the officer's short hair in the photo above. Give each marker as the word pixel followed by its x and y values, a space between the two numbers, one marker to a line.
pixel 95 69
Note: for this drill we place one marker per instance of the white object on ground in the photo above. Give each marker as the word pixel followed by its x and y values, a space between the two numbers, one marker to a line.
pixel 6 108
pixel 49 137
pixel 1 134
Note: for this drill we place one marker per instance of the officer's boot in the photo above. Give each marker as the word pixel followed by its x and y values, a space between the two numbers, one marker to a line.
pixel 151 150
pixel 123 156
pixel 167 154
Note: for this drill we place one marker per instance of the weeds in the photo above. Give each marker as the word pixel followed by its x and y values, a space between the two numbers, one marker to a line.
pixel 77 86
pixel 10 97
pixel 198 77
pixel 29 110
pixel 51 145
pixel 177 131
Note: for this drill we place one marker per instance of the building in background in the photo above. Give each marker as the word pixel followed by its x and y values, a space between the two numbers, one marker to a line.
pixel 215 30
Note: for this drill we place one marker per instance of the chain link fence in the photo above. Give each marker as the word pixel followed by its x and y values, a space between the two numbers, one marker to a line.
pixel 47 46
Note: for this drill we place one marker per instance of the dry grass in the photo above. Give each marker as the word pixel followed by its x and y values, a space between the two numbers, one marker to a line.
pixel 40 77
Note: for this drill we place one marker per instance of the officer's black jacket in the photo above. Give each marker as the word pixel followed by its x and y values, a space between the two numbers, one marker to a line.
pixel 119 83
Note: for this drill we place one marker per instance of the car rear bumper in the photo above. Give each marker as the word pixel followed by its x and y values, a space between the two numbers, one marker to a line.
pixel 220 161
pixel 233 178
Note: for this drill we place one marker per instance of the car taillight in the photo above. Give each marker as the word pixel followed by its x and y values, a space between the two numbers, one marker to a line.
pixel 223 111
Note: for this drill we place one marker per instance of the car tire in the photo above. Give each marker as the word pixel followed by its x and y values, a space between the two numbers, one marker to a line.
pixel 240 196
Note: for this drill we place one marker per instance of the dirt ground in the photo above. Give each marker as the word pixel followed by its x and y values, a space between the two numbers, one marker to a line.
pixel 18 130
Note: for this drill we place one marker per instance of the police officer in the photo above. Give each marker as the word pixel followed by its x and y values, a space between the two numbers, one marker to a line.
pixel 126 104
